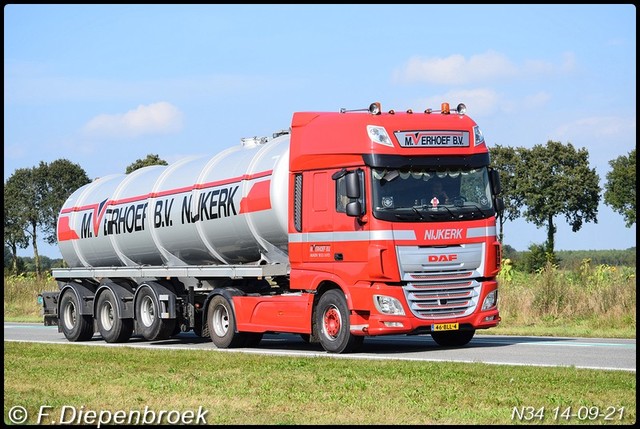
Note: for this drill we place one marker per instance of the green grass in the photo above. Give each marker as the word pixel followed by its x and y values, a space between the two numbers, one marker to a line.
pixel 236 388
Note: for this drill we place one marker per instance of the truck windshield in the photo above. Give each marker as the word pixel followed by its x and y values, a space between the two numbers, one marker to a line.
pixel 421 195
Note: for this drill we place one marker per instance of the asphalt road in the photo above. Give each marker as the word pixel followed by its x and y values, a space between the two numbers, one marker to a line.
pixel 592 353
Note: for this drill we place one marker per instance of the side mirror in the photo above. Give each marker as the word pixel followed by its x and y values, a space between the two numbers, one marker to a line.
pixel 354 209
pixel 353 184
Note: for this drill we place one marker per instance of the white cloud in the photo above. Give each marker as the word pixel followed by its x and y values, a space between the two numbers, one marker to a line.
pixel 598 126
pixel 568 63
pixel 489 66
pixel 155 118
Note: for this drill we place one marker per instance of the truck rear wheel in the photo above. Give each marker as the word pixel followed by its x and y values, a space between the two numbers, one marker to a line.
pixel 222 324
pixel 332 323
pixel 76 327
pixel 453 338
pixel 112 328
pixel 150 325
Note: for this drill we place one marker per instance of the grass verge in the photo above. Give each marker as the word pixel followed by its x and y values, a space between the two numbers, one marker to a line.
pixel 235 388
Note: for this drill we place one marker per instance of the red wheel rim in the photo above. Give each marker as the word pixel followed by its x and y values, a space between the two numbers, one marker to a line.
pixel 332 322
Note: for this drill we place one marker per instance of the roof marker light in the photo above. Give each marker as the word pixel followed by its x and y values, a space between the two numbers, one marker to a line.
pixel 461 109
pixel 392 112
pixel 374 108
pixel 428 111
pixel 444 109
pixel 409 111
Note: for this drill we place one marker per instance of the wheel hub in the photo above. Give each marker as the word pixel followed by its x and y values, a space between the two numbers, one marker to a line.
pixel 332 322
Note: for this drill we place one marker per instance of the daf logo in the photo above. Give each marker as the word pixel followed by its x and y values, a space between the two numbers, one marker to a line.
pixel 443 258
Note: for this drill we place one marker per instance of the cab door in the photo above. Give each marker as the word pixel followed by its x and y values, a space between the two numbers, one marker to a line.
pixel 317 220
pixel 350 233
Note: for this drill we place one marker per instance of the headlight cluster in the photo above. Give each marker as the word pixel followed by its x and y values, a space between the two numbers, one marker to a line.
pixel 388 305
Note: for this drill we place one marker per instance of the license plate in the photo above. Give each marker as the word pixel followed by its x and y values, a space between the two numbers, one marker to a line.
pixel 445 327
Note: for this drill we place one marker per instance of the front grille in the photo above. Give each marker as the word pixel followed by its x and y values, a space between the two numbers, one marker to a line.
pixel 437 276
pixel 442 299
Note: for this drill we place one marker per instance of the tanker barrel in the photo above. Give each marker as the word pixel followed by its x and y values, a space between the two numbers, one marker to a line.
pixel 230 208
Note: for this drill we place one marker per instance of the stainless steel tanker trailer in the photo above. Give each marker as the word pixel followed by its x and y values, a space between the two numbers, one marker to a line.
pixel 155 226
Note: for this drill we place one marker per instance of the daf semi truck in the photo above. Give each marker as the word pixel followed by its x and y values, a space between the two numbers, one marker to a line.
pixel 326 229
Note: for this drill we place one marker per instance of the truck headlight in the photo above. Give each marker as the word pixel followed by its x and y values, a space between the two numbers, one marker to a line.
pixel 490 300
pixel 388 305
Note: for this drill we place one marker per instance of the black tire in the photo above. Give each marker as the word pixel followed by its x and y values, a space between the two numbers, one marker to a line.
pixel 453 338
pixel 332 324
pixel 150 325
pixel 112 328
pixel 222 324
pixel 75 327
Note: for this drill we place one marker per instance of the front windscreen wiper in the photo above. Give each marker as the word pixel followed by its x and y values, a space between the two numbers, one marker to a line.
pixel 435 214
pixel 418 212
pixel 408 216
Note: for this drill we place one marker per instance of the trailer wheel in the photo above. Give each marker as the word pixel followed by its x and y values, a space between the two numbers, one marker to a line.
pixel 332 324
pixel 222 324
pixel 453 338
pixel 112 328
pixel 150 325
pixel 76 327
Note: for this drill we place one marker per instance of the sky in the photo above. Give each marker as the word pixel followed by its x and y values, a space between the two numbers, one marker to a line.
pixel 105 85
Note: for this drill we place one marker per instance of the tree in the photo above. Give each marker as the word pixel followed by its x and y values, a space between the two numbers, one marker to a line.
pixel 35 196
pixel 22 195
pixel 7 256
pixel 14 226
pixel 620 189
pixel 555 179
pixel 505 160
pixel 151 159
pixel 63 178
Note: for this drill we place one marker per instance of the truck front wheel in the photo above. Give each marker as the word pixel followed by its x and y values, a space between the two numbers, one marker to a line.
pixel 150 325
pixel 76 327
pixel 222 324
pixel 332 323
pixel 453 338
pixel 112 328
